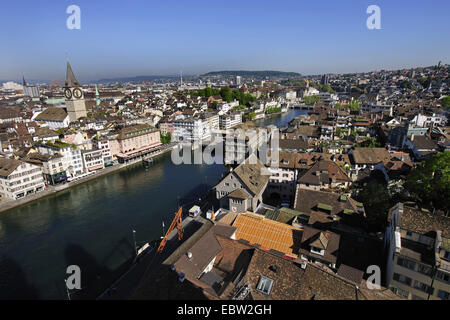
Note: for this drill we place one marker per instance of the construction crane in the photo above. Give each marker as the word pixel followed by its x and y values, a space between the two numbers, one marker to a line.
pixel 176 221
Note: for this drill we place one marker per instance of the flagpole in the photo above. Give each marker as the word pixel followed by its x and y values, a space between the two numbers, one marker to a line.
pixel 134 238
pixel 163 228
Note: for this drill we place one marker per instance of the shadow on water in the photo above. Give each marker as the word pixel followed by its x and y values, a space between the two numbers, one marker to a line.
pixel 13 283
pixel 192 197
pixel 96 277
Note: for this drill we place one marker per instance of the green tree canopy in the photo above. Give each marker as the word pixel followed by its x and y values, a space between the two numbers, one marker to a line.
pixel 311 99
pixel 429 182
pixel 368 143
pixel 445 101
pixel 376 200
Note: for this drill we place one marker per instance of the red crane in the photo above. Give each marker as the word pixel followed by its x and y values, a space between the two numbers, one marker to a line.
pixel 176 221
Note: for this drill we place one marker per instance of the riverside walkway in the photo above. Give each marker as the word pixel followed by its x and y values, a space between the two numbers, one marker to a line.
pixel 52 190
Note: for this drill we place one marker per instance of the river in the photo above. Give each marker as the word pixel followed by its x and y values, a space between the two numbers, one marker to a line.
pixel 90 225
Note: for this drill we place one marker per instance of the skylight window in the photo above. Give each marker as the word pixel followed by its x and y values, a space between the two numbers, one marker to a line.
pixel 264 285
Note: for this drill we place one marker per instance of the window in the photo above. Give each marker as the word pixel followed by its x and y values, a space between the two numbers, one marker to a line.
pixel 443 276
pixel 422 287
pixel 409 233
pixel 406 263
pixel 402 279
pixel 444 295
pixel 403 293
pixel 264 285
pixel 447 255
pixel 426 270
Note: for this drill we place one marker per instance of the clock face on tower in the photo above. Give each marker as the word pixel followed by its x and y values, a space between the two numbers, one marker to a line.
pixel 68 93
pixel 77 93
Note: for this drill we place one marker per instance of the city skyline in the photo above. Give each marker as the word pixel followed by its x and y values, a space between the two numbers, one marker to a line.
pixel 116 41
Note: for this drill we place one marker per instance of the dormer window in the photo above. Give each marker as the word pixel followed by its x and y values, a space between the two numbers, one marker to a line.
pixel 447 255
pixel 317 251
pixel 264 285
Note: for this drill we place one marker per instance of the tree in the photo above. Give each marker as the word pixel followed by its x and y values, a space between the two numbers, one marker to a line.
pixel 311 99
pixel 369 143
pixel 226 94
pixel 429 182
pixel 376 200
pixel 357 90
pixel 424 81
pixel 165 138
pixel 239 107
pixel 445 101
pixel 273 110
pixel 354 105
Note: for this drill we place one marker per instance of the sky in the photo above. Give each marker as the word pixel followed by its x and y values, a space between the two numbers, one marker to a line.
pixel 148 37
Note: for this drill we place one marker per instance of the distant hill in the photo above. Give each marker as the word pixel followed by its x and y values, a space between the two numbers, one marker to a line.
pixel 259 74
pixel 133 79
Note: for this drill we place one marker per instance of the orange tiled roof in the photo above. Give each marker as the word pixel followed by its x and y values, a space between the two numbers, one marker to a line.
pixel 267 233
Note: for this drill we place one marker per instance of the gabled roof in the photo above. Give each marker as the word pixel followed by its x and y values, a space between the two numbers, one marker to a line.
pixel 268 233
pixel 370 155
pixel 327 241
pixel 250 174
pixel 52 114
pixel 423 142
pixel 324 172
pixel 135 130
pixel 203 247
pixel 421 222
pixel 239 194
pixel 309 201
pixel 7 166
pixel 293 144
pixel 321 241
pixel 9 112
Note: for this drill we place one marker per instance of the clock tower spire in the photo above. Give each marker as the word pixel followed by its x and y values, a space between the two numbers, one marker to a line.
pixel 75 104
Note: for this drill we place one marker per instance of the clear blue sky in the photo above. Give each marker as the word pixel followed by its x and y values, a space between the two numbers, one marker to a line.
pixel 148 37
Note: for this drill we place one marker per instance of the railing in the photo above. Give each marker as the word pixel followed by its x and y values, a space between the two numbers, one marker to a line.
pixel 242 292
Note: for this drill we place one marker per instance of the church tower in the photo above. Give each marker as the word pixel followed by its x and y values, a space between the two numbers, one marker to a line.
pixel 97 97
pixel 76 107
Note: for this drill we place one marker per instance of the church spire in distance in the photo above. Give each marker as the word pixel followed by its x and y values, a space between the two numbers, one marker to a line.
pixel 71 81
pixel 97 96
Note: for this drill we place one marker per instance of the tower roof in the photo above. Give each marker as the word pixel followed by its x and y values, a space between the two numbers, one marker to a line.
pixel 71 81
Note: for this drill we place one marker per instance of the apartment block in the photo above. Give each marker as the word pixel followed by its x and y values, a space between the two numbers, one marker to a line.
pixel 417 243
pixel 19 179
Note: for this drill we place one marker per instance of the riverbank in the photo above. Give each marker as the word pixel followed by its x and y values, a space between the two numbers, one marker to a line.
pixel 54 190
pixel 92 225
